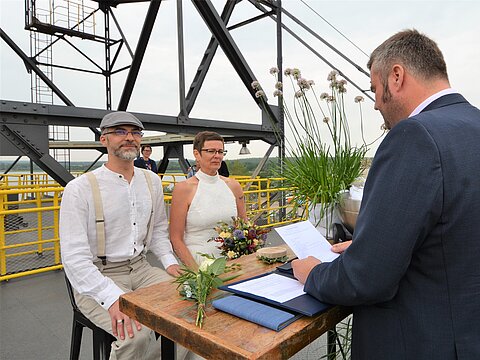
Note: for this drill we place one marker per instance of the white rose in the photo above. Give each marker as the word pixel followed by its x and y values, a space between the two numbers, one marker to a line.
pixel 205 264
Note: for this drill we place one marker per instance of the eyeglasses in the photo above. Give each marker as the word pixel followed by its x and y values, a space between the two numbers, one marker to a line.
pixel 212 152
pixel 124 133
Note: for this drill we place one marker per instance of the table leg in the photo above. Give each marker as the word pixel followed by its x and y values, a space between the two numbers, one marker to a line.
pixel 168 349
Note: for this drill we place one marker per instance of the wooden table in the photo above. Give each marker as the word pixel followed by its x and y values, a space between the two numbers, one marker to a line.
pixel 224 336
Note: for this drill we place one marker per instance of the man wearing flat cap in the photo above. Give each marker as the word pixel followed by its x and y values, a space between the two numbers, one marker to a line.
pixel 108 220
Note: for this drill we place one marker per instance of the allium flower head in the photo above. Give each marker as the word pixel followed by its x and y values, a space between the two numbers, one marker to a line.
pixel 279 85
pixel 303 83
pixel 331 99
pixel 311 82
pixel 332 76
pixel 326 119
pixel 324 96
pixel 255 85
pixel 288 72
pixel 274 70
pixel 296 73
pixel 298 94
pixel 277 93
pixel 259 93
pixel 358 99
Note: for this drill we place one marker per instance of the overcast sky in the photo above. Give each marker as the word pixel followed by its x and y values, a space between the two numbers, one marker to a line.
pixel 454 25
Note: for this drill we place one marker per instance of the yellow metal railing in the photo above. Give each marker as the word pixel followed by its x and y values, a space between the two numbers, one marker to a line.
pixel 29 218
pixel 29 231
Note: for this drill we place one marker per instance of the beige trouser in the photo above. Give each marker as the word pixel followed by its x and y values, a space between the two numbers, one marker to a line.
pixel 128 275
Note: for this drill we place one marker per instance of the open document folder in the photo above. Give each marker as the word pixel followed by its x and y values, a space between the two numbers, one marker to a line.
pixel 280 289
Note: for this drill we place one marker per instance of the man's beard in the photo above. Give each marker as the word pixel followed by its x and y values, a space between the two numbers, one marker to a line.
pixel 126 154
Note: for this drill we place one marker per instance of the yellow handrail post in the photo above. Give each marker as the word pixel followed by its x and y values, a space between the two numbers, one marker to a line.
pixel 39 222
pixel 3 259
pixel 269 216
pixel 56 232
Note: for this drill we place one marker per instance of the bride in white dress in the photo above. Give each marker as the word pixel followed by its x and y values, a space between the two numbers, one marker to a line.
pixel 200 202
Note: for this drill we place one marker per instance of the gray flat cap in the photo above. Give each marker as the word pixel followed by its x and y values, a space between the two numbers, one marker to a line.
pixel 120 118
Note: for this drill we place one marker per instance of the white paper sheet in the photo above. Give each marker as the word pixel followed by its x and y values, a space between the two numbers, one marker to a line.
pixel 305 240
pixel 274 287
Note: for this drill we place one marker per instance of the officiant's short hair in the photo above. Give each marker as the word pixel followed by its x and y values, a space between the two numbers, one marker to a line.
pixel 203 136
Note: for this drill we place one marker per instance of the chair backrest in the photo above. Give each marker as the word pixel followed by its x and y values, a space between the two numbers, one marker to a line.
pixel 70 294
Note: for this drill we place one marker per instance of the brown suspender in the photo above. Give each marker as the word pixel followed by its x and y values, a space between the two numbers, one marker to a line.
pixel 100 220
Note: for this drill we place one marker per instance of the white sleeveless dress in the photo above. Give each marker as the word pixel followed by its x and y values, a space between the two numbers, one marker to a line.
pixel 212 202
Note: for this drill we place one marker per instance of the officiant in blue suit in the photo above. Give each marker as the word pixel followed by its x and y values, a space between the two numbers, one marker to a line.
pixel 412 271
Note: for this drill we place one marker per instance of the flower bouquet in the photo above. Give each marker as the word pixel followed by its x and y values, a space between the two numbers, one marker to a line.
pixel 197 285
pixel 243 237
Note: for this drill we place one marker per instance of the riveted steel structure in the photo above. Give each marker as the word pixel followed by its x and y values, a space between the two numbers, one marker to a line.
pixel 23 125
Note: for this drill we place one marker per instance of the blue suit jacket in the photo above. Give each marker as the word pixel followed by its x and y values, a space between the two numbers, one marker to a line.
pixel 412 272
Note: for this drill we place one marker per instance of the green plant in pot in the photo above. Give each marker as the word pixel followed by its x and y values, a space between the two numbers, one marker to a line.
pixel 321 162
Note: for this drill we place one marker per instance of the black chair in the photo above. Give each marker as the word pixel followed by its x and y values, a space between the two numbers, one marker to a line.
pixel 102 340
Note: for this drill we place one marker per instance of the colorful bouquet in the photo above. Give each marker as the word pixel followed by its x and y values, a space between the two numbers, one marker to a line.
pixel 197 285
pixel 243 237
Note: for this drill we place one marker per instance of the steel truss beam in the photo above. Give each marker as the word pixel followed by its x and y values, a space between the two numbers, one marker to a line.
pixel 231 50
pixel 16 112
pixel 12 133
pixel 13 113
pixel 139 53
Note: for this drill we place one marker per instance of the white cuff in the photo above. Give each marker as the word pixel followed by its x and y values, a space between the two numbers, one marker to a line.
pixel 167 260
pixel 108 296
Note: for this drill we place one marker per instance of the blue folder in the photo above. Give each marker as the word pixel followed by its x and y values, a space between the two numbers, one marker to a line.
pixel 304 304
pixel 256 312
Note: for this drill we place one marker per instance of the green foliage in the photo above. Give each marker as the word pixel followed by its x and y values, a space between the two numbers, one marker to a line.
pixel 343 335
pixel 320 177
pixel 237 167
pixel 321 162
pixel 197 285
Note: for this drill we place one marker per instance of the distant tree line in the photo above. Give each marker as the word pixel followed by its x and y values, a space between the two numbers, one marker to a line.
pixel 240 167
pixel 236 167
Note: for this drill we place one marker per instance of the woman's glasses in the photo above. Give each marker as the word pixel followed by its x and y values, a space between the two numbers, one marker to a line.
pixel 124 133
pixel 212 152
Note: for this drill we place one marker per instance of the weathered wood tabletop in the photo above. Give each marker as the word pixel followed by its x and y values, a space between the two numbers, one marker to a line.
pixel 224 336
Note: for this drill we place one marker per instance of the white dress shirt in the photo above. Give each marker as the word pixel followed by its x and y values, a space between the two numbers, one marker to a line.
pixel 127 208
pixel 431 99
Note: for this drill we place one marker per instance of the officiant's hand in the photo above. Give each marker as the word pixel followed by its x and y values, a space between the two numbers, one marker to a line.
pixel 302 268
pixel 341 247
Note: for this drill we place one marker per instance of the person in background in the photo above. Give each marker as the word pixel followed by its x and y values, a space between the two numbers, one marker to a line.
pixel 223 171
pixel 200 202
pixel 102 271
pixel 191 171
pixel 411 272
pixel 144 160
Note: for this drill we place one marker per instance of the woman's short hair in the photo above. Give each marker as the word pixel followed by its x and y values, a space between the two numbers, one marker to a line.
pixel 203 136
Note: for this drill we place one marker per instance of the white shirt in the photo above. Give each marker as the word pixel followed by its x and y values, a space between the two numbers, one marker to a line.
pixel 127 208
pixel 431 99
